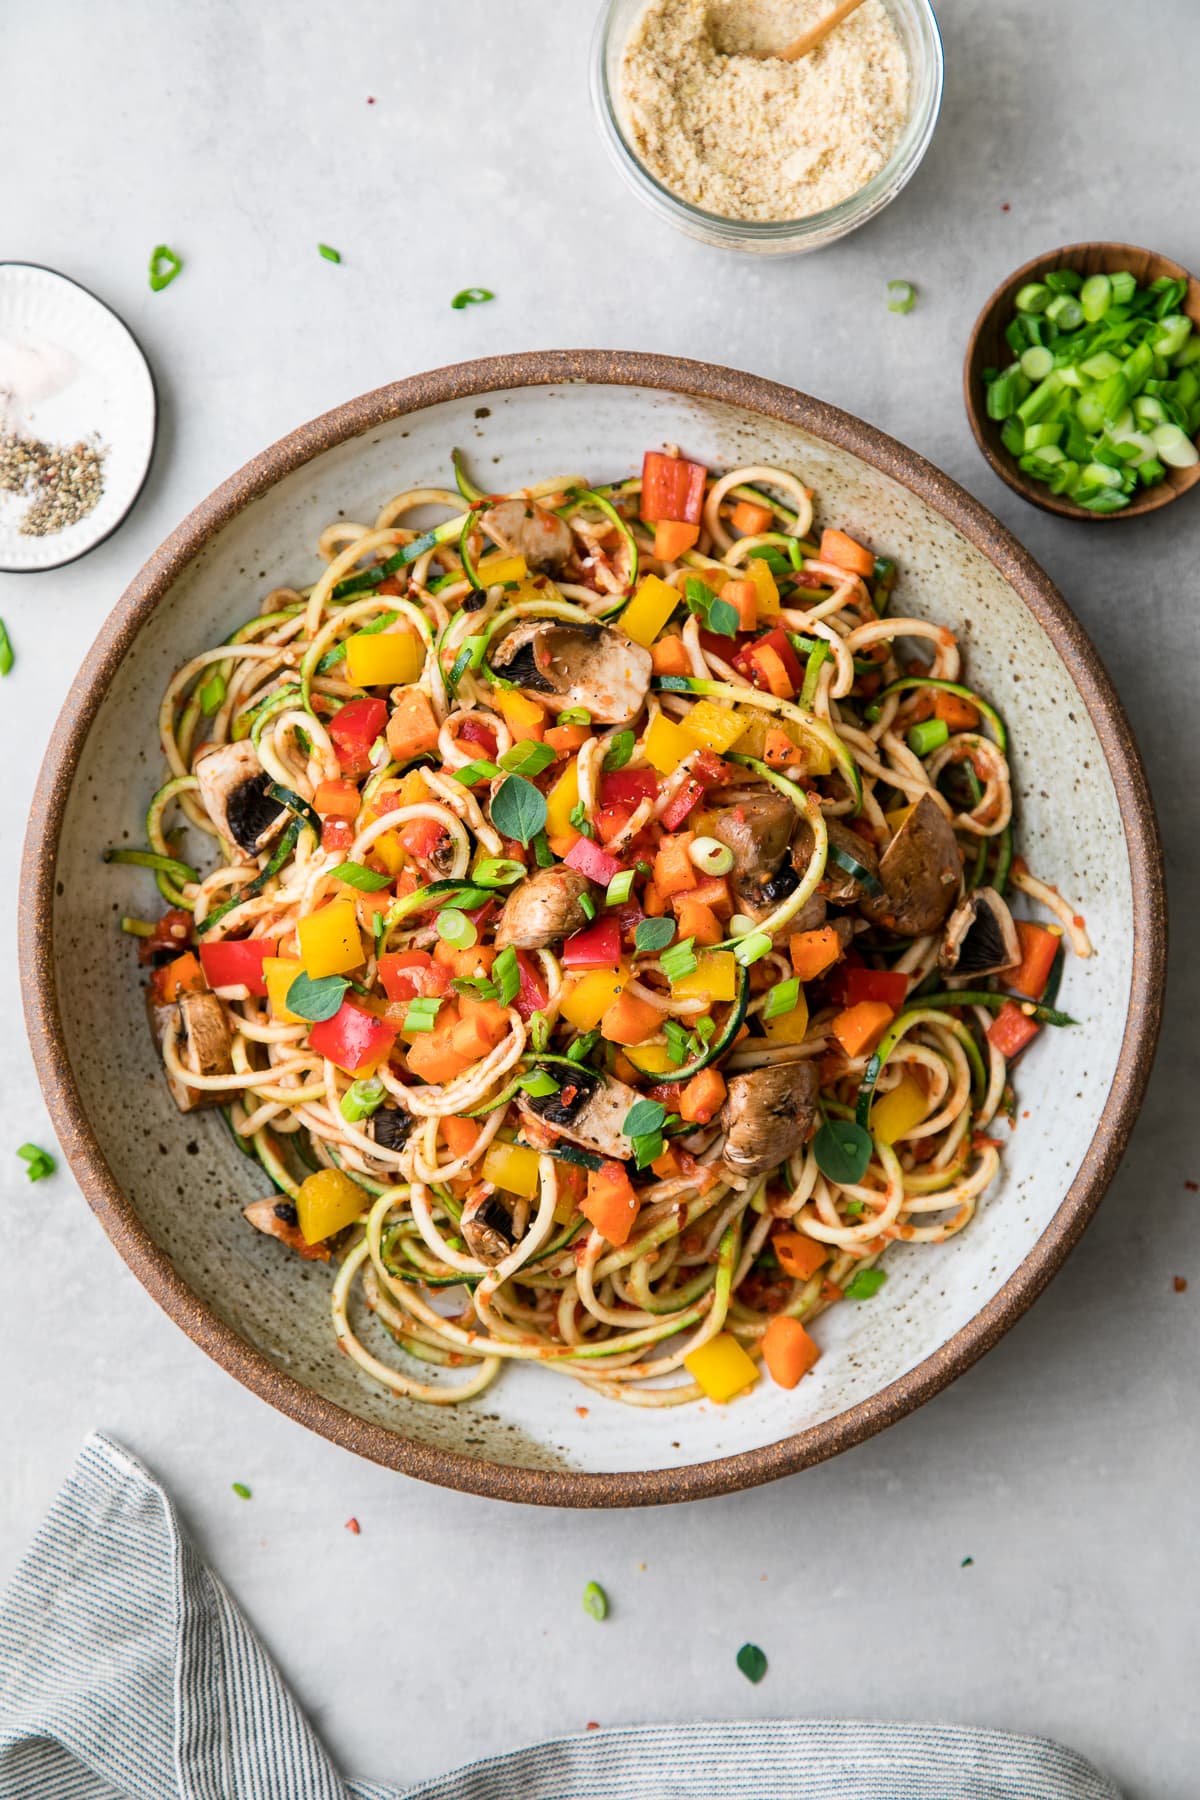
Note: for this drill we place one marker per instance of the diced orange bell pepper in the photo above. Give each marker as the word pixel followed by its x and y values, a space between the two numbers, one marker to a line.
pixel 481 1026
pixel 673 868
pixel 859 1028
pixel 778 749
pixel 847 553
pixel 799 1255
pixel 337 799
pixel 813 952
pixel 566 738
pixel 610 1203
pixel 461 1135
pixel 712 892
pixel 770 666
pixel 672 539
pixel 788 1351
pixel 630 1021
pixel 669 657
pixel 703 1097
pixel 523 716
pixel 751 519
pixel 743 597
pixel 959 714
pixel 1039 947
pixel 699 921
pixel 411 728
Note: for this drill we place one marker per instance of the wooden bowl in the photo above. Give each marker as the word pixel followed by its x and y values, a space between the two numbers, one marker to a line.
pixel 170 1189
pixel 987 348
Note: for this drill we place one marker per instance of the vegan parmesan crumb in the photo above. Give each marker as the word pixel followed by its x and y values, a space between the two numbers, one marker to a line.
pixel 760 139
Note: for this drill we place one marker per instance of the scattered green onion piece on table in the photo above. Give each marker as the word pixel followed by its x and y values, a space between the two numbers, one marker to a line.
pixel 164 267
pixel 6 650
pixel 902 296
pixel 595 1600
pixel 38 1162
pixel 241 1490
pixel 329 253
pixel 864 1283
pixel 474 296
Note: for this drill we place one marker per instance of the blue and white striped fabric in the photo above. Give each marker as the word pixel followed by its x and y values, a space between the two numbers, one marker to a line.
pixel 128 1673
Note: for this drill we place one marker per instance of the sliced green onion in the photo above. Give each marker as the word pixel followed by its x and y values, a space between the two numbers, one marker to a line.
pixel 528 757
pixel 710 855
pixel 164 267
pixel 539 1031
pixel 1034 297
pixel 587 906
pixel 6 650
pixel 421 1013
pixel 212 694
pixel 750 948
pixel 473 772
pixel 455 928
pixel 141 928
pixel 1037 362
pixel 497 871
pixel 902 296
pixel 574 715
pixel 539 1084
pixel 619 888
pixel 357 875
pixel 506 975
pixel 680 961
pixel 595 1600
pixel 929 735
pixel 329 253
pixel 363 1098
pixel 782 999
pixel 471 297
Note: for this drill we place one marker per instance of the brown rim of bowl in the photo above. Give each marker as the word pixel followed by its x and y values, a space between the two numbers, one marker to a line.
pixel 551 1487
pixel 1097 256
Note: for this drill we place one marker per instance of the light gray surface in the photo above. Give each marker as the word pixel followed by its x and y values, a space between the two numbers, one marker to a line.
pixel 1065 1463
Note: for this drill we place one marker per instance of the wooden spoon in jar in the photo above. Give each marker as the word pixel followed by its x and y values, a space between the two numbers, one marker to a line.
pixel 816 34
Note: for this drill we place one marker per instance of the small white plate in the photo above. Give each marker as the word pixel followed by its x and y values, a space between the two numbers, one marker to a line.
pixel 101 387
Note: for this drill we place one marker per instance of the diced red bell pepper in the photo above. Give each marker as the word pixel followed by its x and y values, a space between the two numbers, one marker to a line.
pixel 474 731
pixel 672 488
pixel 776 640
pixel 352 1038
pixel 598 947
pixel 172 932
pixel 1039 948
pixel 688 797
pixel 850 961
pixel 421 836
pixel 354 728
pixel 532 995
pixel 611 821
pixel 628 787
pixel 405 974
pixel 336 834
pixel 237 963
pixel 589 859
pixel 1012 1029
pixel 337 799
pixel 709 768
pixel 888 985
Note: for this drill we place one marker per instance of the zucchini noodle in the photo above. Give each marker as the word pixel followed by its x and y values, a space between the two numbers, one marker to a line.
pixel 457 967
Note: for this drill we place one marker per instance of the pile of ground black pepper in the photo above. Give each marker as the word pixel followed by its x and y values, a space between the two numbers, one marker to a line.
pixel 63 481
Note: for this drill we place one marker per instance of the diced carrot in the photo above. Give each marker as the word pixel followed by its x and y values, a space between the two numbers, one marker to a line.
pixel 1039 947
pixel 778 749
pixel 750 519
pixel 700 922
pixel 769 664
pixel 630 1020
pixel 958 713
pixel 847 553
pixel 673 868
pixel 799 1255
pixel 412 728
pixel 669 657
pixel 788 1351
pixel 743 596
pixel 859 1028
pixel 461 1135
pixel 433 1057
pixel 466 965
pixel 654 903
pixel 563 842
pixel 565 738
pixel 482 1025
pixel 610 1202
pixel 338 799
pixel 813 952
pixel 181 976
pixel 712 892
pixel 624 1070
pixel 667 1166
pixel 672 539
pixel 703 1097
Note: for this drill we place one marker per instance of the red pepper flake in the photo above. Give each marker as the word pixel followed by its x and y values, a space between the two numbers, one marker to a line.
pixel 592 1725
pixel 1180 1284
pixel 1193 1187
pixel 1005 206
pixel 582 1411
pixel 370 99
pixel 353 1525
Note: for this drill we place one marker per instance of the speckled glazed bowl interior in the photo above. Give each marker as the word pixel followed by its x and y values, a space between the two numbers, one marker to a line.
pixel 170 1189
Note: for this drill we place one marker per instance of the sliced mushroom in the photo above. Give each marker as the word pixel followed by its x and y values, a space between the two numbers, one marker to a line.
pixel 568 664
pixel 980 937
pixel 391 1127
pixel 768 1114
pixel 758 832
pixel 543 909
pixel 197 1024
pixel 278 1219
pixel 840 885
pixel 587 1110
pixel 522 528
pixel 487 1227
pixel 233 788
pixel 921 871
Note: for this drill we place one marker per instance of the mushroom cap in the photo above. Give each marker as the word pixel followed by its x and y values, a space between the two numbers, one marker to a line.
pixel 543 909
pixel 523 528
pixel 391 1126
pixel 588 1110
pixel 980 936
pixel 758 832
pixel 567 663
pixel 487 1227
pixel 768 1114
pixel 921 871
pixel 838 885
pixel 233 790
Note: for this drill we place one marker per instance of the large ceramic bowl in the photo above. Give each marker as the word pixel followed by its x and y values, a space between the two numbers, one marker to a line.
pixel 169 1190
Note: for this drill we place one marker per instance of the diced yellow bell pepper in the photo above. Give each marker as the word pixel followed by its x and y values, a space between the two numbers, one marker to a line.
pixel 652 1059
pixel 895 1113
pixel 790 1027
pixel 562 800
pixel 523 716
pixel 587 998
pixel 384 658
pixel 756 570
pixel 279 972
pixel 722 1367
pixel 390 851
pixel 512 1167
pixel 667 745
pixel 327 1202
pixel 533 587
pixel 500 567
pixel 414 789
pixel 649 610
pixel 714 978
pixel 898 818
pixel 716 727
pixel 330 943
pixel 817 760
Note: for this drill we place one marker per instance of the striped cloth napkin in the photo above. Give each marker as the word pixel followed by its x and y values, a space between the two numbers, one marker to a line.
pixel 127 1672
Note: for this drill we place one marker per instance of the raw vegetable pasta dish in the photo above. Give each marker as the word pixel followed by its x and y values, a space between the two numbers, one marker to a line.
pixel 602 937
